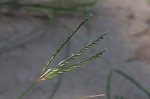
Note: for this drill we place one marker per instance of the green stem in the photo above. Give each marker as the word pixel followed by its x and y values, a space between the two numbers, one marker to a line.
pixel 109 84
pixel 27 90
pixel 138 85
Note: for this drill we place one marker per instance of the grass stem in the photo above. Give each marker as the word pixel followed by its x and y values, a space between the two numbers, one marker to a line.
pixel 27 90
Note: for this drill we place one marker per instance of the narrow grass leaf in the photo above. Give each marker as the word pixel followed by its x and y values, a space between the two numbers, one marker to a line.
pixel 108 84
pixel 132 80
pixel 39 6
pixel 44 6
pixel 138 85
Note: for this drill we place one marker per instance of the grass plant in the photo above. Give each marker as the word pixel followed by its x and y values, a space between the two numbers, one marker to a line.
pixel 50 73
pixel 50 10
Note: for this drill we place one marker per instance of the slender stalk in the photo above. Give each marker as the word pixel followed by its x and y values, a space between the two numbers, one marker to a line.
pixel 132 80
pixel 108 84
pixel 138 85
pixel 27 90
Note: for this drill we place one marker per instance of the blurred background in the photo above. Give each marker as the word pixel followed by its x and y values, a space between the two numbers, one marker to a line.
pixel 31 30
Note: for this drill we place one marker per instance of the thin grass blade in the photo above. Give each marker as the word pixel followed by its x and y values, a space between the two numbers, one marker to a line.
pixel 132 80
pixel 138 85
pixel 38 6
pixel 108 84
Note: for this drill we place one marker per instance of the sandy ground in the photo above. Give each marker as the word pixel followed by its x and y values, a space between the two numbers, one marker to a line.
pixel 128 23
